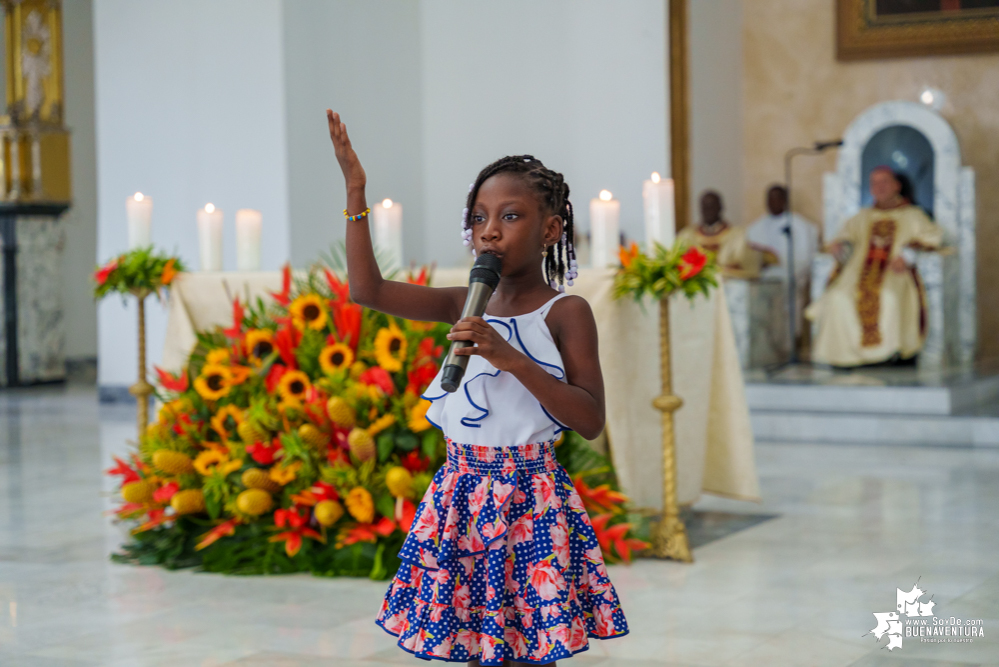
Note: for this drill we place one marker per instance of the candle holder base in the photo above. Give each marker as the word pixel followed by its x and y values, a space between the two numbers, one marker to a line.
pixel 669 541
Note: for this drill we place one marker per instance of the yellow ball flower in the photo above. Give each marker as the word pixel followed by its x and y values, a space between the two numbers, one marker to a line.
pixel 308 311
pixel 328 512
pixel 218 356
pixel 213 383
pixel 293 386
pixel 335 358
pixel 390 347
pixel 171 462
pixel 140 491
pixel 399 482
pixel 285 474
pixel 190 501
pixel 254 502
pixel 259 344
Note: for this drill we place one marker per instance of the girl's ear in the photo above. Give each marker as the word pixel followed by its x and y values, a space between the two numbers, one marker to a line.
pixel 553 229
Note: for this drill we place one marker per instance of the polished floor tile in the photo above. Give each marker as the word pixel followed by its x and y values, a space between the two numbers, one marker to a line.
pixel 854 523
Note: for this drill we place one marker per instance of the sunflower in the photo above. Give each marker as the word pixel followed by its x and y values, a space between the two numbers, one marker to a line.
pixel 218 422
pixel 212 460
pixel 293 385
pixel 218 356
pixel 418 421
pixel 307 311
pixel 259 344
pixel 390 347
pixel 213 383
pixel 335 358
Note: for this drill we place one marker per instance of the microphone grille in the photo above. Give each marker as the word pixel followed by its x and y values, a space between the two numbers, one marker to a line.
pixel 487 269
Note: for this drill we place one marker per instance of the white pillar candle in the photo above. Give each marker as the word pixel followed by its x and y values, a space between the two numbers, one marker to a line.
pixel 210 237
pixel 660 226
pixel 386 216
pixel 139 211
pixel 605 217
pixel 248 223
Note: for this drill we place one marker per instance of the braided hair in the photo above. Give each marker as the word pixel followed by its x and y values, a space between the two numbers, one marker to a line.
pixel 550 185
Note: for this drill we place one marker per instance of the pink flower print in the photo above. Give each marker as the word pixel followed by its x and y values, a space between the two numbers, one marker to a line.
pixel 509 467
pixel 437 611
pixel 468 639
pixel 394 623
pixel 416 575
pixel 468 562
pixel 489 454
pixel 426 525
pixel 544 494
pixel 576 503
pixel 487 644
pixel 525 610
pixel 462 463
pixel 560 543
pixel 471 541
pixel 522 530
pixel 501 492
pixel 577 636
pixel 493 530
pixel 443 650
pixel 519 496
pixel 478 497
pixel 450 523
pixel 461 601
pixel 490 593
pixel 545 579
pixel 512 584
pixel 604 615
pixel 516 641
pixel 428 559
pixel 447 484
pixel 531 452
pixel 544 646
pixel 559 633
pixel 416 641
pixel 550 611
pixel 573 595
pixel 440 576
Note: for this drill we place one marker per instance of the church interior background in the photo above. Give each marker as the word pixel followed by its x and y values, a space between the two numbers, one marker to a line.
pixel 836 513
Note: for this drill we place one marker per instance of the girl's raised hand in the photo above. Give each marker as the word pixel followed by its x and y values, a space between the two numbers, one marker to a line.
pixel 353 172
pixel 488 343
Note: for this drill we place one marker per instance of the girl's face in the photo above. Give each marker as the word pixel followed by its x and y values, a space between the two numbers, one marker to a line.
pixel 509 221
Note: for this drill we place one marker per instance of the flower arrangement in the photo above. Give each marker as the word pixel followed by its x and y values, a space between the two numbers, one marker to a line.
pixel 137 271
pixel 294 440
pixel 665 271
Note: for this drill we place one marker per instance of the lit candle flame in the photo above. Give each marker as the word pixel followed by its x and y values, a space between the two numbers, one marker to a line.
pixel 139 196
pixel 209 208
pixel 655 177
pixel 927 97
pixel 387 203
pixel 605 195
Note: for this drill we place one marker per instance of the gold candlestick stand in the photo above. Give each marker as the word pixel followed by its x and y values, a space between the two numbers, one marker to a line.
pixel 142 389
pixel 670 537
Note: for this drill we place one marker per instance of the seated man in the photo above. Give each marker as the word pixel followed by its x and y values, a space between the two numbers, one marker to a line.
pixel 735 256
pixel 874 308
pixel 768 231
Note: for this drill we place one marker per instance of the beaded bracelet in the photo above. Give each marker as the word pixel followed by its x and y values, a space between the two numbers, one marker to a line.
pixel 352 218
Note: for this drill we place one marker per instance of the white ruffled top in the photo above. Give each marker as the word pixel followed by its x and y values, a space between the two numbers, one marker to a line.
pixel 491 407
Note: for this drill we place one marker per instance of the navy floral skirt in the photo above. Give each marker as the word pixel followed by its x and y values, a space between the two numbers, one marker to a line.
pixel 501 563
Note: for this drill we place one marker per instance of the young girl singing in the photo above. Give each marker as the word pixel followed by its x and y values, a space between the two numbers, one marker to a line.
pixel 501 565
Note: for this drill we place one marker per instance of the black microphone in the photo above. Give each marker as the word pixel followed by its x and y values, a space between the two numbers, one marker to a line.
pixel 481 283
pixel 823 145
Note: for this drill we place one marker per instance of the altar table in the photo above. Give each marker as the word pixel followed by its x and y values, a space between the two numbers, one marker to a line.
pixel 714 438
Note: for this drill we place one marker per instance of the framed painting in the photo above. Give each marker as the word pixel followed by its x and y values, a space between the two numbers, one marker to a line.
pixel 867 29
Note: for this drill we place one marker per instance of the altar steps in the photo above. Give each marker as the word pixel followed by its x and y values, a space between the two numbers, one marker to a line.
pixel 899 406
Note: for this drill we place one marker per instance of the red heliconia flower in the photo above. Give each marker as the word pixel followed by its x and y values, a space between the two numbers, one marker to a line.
pixel 340 290
pixel 264 454
pixel 420 279
pixel 284 296
pixel 127 472
pixel 293 538
pixel 601 498
pixel 237 320
pixel 415 462
pixel 101 274
pixel 218 532
pixel 274 376
pixel 405 512
pixel 171 382
pixel 616 535
pixel 369 532
pixel 380 378
pixel 286 340
pixel 628 255
pixel 692 263
pixel 166 492
pixel 347 320
pixel 421 376
pixel 337 455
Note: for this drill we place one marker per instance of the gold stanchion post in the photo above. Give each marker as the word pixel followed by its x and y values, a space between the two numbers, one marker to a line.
pixel 670 537
pixel 142 389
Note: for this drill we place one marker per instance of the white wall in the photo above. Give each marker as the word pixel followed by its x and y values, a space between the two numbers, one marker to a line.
pixel 716 104
pixel 579 84
pixel 80 221
pixel 189 109
pixel 370 73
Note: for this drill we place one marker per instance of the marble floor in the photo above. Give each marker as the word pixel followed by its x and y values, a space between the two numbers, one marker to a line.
pixel 856 521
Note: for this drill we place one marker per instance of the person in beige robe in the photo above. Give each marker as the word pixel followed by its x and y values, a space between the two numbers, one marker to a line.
pixel 735 255
pixel 873 310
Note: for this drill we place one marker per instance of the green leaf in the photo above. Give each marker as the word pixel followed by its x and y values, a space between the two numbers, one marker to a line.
pixel 386 443
pixel 385 505
pixel 430 444
pixel 406 442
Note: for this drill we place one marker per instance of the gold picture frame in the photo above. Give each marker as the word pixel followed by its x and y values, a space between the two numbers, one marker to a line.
pixel 869 29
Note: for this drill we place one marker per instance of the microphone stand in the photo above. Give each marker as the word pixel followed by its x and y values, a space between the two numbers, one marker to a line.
pixel 792 290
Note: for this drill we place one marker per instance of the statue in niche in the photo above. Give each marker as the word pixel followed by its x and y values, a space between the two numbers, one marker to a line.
pixel 736 256
pixel 874 310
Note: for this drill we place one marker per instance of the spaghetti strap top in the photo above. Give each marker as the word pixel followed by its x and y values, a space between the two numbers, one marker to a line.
pixel 491 407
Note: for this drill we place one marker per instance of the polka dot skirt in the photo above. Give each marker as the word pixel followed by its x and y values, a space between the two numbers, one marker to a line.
pixel 501 563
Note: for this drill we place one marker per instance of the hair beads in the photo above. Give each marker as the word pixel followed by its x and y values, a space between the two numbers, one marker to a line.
pixel 560 262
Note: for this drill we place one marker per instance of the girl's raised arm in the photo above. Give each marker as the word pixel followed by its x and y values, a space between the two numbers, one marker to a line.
pixel 367 286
